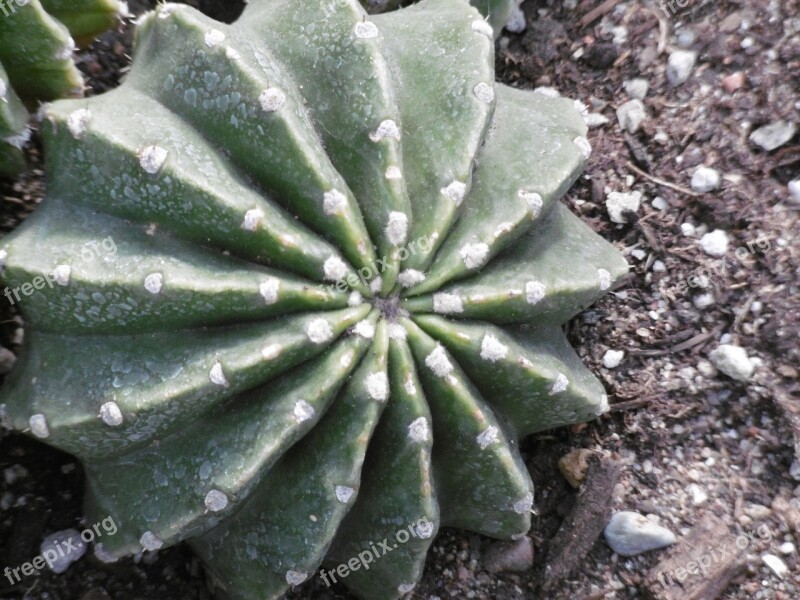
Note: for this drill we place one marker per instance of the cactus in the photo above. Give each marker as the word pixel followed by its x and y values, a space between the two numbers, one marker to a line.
pixel 36 61
pixel 328 297
pixel 495 11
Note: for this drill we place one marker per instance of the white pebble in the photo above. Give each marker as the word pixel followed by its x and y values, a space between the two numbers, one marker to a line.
pixel 631 115
pixel 295 577
pixel 584 147
pixel 733 361
pixel 703 301
pixel 629 533
pixel 612 358
pixel 516 20
pixel 705 179
pixel 67 546
pixel 688 229
pixel 150 541
pixel 715 243
pixel 776 565
pixel 794 191
pixel 38 425
pixel 680 65
pixel 636 88
pixel 618 203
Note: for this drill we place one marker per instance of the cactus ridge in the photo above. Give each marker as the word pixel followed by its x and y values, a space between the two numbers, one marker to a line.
pixel 334 300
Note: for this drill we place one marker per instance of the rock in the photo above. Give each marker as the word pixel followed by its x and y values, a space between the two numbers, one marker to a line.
pixel 573 466
pixel 773 135
pixel 787 548
pixel 688 229
pixel 7 360
pixel 593 120
pixel 679 66
pixel 776 565
pixel 705 179
pixel 733 361
pixel 687 38
pixel 509 556
pixel 629 533
pixel 67 546
pixel 733 82
pixel 715 243
pixel 516 21
pixel 794 191
pixel 631 115
pixel 617 203
pixel 636 88
pixel 659 203
pixel 612 358
pixel 698 494
pixel 703 301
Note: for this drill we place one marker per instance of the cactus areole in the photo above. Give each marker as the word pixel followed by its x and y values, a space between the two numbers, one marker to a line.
pixel 302 282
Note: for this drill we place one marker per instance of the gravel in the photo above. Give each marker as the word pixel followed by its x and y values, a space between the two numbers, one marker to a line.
pixel 618 203
pixel 629 533
pixel 773 136
pixel 733 361
pixel 715 243
pixel 631 115
pixel 680 65
pixel 705 179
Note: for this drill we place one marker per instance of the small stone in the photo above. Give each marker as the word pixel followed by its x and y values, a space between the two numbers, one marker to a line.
pixel 688 229
pixel 514 556
pixel 698 494
pixel 593 120
pixel 659 203
pixel 705 179
pixel 631 115
pixel 774 135
pixel 680 65
pixel 686 38
pixel 573 466
pixel 67 546
pixel 787 548
pixel 7 360
pixel 516 21
pixel 612 358
pixel 715 243
pixel 703 301
pixel 617 203
pixel 629 533
pixel 794 191
pixel 733 361
pixel 636 88
pixel 776 565
pixel 733 82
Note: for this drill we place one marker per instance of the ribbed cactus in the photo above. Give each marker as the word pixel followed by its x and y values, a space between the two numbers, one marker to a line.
pixel 36 46
pixel 495 11
pixel 334 299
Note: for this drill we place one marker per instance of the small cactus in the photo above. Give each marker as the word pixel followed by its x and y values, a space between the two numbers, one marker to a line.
pixel 334 299
pixel 36 61
pixel 495 11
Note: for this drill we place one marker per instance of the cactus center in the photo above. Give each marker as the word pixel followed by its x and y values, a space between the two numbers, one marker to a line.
pixel 389 307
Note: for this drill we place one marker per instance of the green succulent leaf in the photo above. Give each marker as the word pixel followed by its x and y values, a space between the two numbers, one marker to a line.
pixel 296 292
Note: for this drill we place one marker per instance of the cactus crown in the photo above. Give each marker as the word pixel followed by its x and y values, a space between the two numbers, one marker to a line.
pixel 328 296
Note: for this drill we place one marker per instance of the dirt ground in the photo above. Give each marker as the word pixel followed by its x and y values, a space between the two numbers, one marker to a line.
pixel 691 441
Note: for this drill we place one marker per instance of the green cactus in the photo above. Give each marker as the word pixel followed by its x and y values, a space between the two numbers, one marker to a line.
pixel 36 61
pixel 495 11
pixel 328 297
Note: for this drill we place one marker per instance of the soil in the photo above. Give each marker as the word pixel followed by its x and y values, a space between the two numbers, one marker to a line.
pixel 691 442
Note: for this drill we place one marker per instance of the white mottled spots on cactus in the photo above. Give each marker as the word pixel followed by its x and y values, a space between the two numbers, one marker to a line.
pixel 387 129
pixel 547 92
pixel 66 52
pixel 232 54
pixel 584 146
pixel 333 202
pixel 150 541
pixel 474 255
pixel 3 259
pixel 504 228
pixel 534 200
pixel 604 406
pixel 319 331
pixel 217 376
pixel 347 359
pixel 524 504
pixel 560 384
pixel 492 349
pixel 78 122
pixel 484 92
pixel 365 30
pixel 604 278
pixel 425 529
pixel 535 292
pixel 377 385
pixel 214 38
pixel 344 493
pixel 397 228
pixel 303 411
pixel 482 27
pixel 216 501
pixel 376 284
pixel 419 431
pixel 406 588
pixel 487 437
pixel 355 299
pixel 397 331
pixel 446 304
pixel 269 290
pixel 166 11
pixel 111 414
pixel 62 274
pixel 154 282
pixel 3 90
pixel 271 351
pixel 408 381
pixel 152 158
pixel 252 219
pixel 335 269
pixel 438 362
pixel 205 470
pixel 410 277
pixel 38 425
pixel 365 329
pixel 455 191
pixel 272 99
pixel 295 577
pixel 394 173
